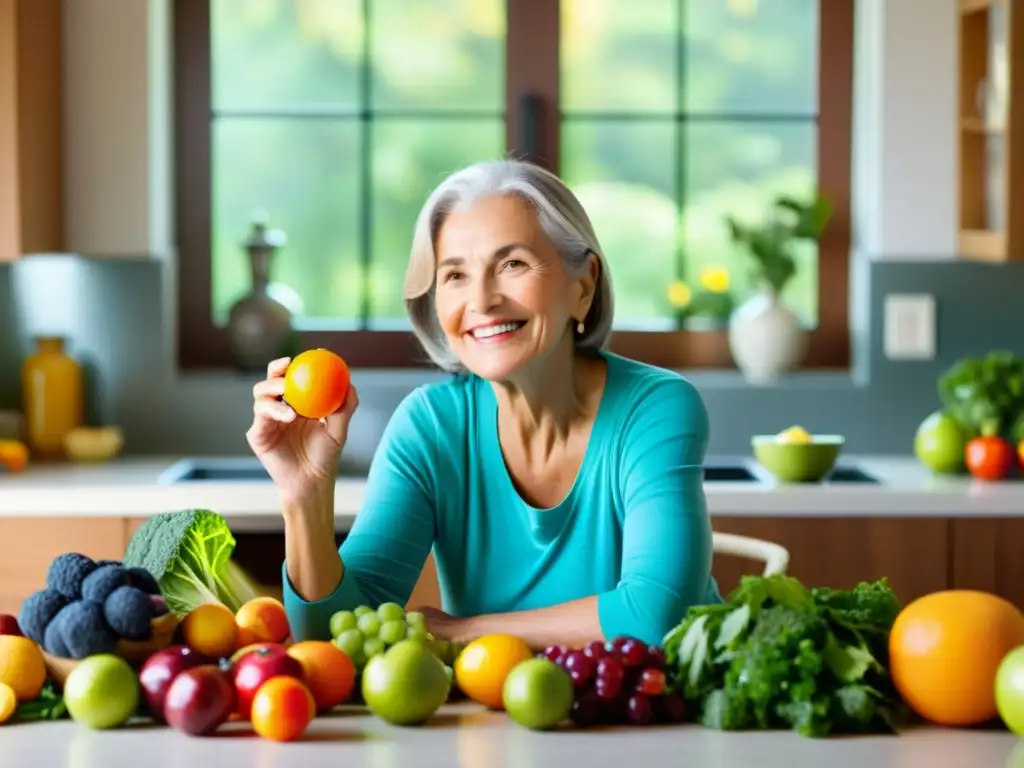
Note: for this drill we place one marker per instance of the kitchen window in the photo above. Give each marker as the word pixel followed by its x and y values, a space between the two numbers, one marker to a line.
pixel 337 116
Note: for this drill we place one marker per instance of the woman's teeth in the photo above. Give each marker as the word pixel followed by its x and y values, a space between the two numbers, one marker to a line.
pixel 494 330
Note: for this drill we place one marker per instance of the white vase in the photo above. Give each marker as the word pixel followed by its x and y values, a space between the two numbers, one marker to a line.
pixel 766 338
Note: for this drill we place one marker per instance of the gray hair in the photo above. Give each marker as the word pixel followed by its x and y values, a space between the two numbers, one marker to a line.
pixel 561 217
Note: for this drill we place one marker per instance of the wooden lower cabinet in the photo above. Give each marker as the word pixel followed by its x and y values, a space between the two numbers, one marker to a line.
pixel 917 555
pixel 912 553
pixel 986 554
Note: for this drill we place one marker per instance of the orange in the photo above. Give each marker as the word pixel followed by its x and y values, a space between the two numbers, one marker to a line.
pixel 282 709
pixel 330 673
pixel 945 649
pixel 13 455
pixel 22 666
pixel 210 629
pixel 481 668
pixel 262 620
pixel 316 383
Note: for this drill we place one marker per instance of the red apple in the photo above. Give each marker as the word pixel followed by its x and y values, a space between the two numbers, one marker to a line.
pixel 199 700
pixel 9 625
pixel 256 667
pixel 159 672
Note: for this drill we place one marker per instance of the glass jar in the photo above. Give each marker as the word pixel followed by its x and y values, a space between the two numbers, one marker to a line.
pixel 52 396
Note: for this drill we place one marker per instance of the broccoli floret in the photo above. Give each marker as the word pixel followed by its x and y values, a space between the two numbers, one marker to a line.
pixel 37 611
pixel 128 611
pixel 100 583
pixel 67 572
pixel 82 629
pixel 142 579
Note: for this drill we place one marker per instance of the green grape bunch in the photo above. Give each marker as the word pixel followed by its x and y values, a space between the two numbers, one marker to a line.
pixel 362 633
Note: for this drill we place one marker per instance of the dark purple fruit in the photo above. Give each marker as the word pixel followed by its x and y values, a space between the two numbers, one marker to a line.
pixel 579 666
pixel 655 656
pixel 585 709
pixel 633 653
pixel 595 650
pixel 639 710
pixel 671 708
pixel 556 653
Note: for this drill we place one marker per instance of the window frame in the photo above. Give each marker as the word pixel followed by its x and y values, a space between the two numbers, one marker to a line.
pixel 531 130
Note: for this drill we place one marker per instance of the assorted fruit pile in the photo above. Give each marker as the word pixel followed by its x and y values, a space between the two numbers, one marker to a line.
pixel 775 654
pixel 979 427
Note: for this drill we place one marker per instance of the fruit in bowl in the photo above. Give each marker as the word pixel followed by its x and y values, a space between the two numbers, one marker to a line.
pixel 90 607
pixel 796 456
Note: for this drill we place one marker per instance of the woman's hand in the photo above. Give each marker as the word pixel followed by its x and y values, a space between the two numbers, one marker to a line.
pixel 444 626
pixel 301 455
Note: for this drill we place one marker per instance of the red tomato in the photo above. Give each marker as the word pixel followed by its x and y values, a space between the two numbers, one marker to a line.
pixel 989 458
pixel 316 383
pixel 282 709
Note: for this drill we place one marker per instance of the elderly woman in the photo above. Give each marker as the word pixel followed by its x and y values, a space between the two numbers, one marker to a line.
pixel 559 485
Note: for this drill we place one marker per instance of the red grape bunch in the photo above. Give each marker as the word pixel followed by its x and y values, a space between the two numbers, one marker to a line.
pixel 618 682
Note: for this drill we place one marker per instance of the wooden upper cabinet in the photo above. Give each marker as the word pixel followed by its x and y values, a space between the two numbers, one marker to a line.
pixel 31 156
pixel 991 130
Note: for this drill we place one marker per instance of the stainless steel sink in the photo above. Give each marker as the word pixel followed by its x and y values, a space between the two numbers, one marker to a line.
pixel 233 470
pixel 717 470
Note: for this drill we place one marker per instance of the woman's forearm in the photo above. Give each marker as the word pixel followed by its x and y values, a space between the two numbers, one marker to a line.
pixel 314 565
pixel 573 624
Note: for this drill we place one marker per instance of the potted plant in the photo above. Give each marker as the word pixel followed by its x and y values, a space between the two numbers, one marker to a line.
pixel 766 337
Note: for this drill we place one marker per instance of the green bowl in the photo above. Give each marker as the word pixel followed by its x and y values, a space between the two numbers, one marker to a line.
pixel 797 462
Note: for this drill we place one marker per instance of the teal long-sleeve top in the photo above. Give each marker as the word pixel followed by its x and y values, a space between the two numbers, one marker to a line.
pixel 633 530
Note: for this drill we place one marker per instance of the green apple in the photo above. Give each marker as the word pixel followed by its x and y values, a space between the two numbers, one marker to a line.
pixel 538 694
pixel 102 691
pixel 405 684
pixel 1010 690
pixel 940 443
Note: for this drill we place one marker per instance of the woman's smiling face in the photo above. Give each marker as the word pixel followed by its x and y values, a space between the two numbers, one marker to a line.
pixel 504 298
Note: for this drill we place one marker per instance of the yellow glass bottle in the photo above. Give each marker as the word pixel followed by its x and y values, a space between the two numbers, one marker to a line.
pixel 52 396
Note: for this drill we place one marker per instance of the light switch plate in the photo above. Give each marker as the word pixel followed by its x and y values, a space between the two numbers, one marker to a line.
pixel 910 326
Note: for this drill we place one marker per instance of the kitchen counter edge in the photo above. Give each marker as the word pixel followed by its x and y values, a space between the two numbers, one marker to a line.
pixel 132 487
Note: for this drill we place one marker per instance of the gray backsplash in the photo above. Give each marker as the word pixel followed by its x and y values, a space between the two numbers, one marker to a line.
pixel 133 382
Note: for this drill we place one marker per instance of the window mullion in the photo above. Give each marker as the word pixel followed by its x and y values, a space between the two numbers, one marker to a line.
pixel 531 80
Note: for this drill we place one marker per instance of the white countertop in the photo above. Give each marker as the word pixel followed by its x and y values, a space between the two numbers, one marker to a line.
pixel 465 736
pixel 137 487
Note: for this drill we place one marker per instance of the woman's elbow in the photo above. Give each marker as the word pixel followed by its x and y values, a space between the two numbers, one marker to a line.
pixel 645 612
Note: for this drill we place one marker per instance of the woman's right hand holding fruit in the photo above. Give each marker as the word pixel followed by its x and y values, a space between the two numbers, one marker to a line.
pixel 300 453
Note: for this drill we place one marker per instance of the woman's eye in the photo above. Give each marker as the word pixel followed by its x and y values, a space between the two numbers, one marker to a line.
pixel 514 264
pixel 452 276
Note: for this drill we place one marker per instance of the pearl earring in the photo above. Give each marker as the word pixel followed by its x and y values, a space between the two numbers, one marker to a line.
pixel 579 327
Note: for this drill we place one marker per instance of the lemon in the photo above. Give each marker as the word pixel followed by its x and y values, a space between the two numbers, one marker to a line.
pixel 795 435
pixel 8 702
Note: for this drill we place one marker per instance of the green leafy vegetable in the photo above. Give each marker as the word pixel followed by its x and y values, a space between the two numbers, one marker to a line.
pixel 779 655
pixel 48 705
pixel 986 394
pixel 189 554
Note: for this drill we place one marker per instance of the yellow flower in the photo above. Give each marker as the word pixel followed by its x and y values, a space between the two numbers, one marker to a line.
pixel 679 294
pixel 715 278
